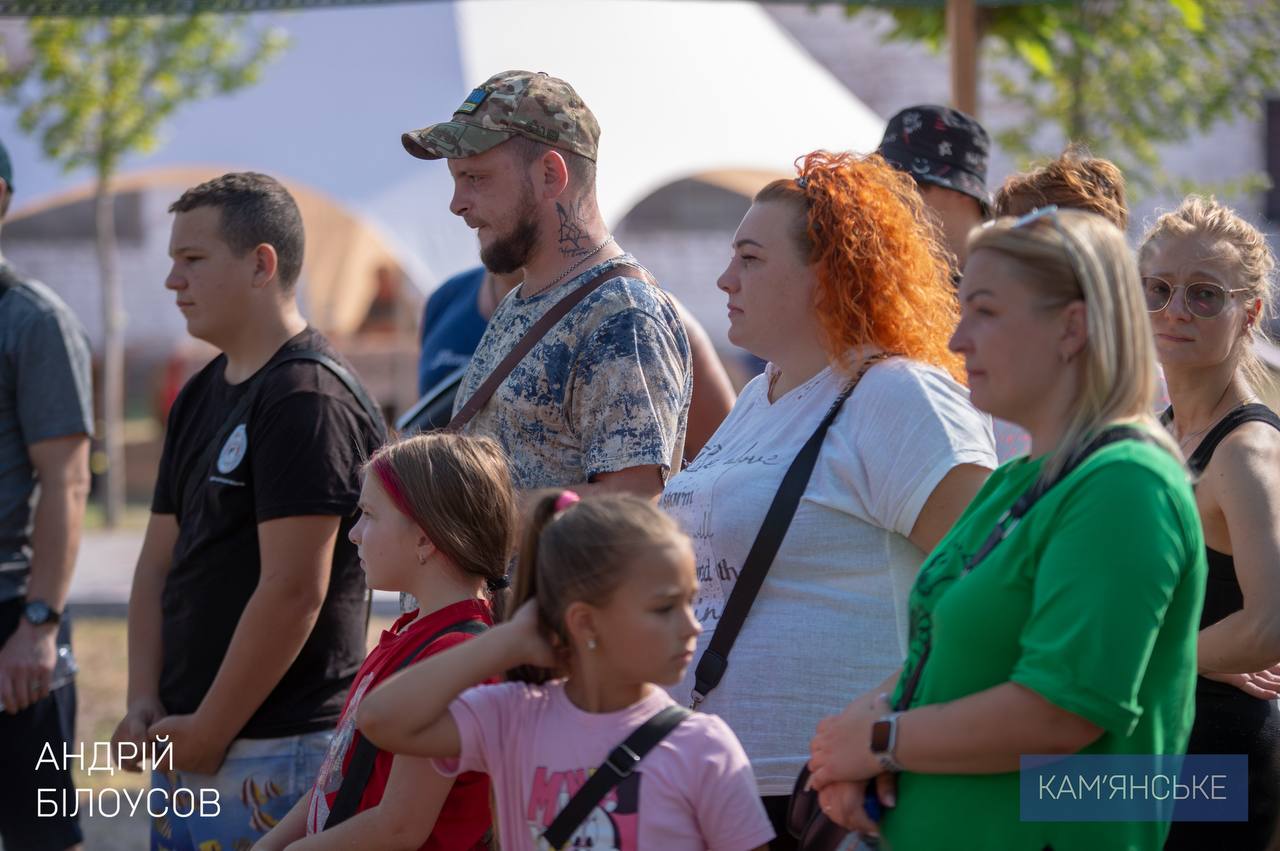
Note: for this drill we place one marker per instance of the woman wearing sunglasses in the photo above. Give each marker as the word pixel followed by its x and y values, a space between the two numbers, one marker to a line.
pixel 1206 277
pixel 1061 623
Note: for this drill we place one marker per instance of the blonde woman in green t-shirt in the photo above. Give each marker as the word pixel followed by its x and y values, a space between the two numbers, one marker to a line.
pixel 1076 633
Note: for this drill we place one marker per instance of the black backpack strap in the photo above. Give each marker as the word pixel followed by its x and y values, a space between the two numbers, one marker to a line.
pixel 354 387
pixel 242 407
pixel 620 764
pixel 8 280
pixel 364 754
pixel 715 658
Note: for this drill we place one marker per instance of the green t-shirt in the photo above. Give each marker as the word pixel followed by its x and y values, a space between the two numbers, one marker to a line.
pixel 1092 601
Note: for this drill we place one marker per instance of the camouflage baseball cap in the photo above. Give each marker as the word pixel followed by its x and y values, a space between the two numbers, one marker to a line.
pixel 537 106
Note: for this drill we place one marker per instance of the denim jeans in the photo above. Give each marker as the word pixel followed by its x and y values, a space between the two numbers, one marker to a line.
pixel 258 783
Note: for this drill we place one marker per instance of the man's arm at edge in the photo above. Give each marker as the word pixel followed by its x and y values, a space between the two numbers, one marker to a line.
pixel 28 656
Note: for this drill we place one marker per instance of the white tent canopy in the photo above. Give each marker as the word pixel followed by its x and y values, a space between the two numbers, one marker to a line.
pixel 698 87
pixel 680 89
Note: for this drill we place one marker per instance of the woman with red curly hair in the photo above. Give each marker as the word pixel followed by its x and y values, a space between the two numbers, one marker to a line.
pixel 835 281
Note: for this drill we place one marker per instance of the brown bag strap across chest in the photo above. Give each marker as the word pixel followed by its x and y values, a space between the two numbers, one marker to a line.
pixel 535 333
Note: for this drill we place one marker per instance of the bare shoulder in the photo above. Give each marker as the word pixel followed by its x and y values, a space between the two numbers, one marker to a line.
pixel 1250 453
pixel 1241 486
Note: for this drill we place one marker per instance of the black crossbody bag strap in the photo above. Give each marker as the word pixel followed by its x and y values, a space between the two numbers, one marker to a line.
pixel 824 832
pixel 203 468
pixel 621 762
pixel 715 659
pixel 1011 519
pixel 365 753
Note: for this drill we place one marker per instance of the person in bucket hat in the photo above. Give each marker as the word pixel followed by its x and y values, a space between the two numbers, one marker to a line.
pixel 946 152
pixel 601 400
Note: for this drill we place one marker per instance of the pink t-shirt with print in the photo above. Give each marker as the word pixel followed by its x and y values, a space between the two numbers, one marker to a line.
pixel 693 791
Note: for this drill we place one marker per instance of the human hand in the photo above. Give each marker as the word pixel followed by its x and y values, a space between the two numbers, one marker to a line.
pixel 133 728
pixel 843 802
pixel 26 666
pixel 1264 684
pixel 528 644
pixel 194 749
pixel 841 748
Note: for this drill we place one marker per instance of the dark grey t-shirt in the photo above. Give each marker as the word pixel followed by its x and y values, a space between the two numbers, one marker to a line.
pixel 46 391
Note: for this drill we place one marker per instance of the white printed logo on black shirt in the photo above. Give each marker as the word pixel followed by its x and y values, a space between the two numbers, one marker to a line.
pixel 233 451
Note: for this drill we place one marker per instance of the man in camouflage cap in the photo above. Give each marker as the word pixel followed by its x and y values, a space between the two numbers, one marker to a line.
pixel 536 106
pixel 601 401
pixel 945 151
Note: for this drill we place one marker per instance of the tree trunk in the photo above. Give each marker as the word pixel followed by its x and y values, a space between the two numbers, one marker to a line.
pixel 1077 119
pixel 963 38
pixel 113 493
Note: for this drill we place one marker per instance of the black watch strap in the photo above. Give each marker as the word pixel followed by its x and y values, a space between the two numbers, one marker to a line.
pixel 39 613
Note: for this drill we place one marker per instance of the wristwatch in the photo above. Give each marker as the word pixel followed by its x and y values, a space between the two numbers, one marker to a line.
pixel 884 738
pixel 39 613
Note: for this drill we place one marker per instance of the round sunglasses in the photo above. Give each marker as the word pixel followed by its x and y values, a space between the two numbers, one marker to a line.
pixel 1202 298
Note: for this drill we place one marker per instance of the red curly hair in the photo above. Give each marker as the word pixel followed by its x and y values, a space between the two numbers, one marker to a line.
pixel 883 277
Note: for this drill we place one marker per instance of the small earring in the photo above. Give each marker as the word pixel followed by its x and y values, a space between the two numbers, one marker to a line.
pixel 591 644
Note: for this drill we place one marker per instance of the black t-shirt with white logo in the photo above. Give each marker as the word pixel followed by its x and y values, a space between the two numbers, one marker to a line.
pixel 297 453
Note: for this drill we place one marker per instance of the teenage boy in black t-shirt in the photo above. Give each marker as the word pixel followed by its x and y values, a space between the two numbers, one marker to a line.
pixel 247 617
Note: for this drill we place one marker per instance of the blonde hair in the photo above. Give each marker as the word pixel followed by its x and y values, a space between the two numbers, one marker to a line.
pixel 580 553
pixel 458 490
pixel 1081 256
pixel 1201 216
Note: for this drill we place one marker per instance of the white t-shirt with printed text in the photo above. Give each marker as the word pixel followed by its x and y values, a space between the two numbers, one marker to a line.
pixel 830 621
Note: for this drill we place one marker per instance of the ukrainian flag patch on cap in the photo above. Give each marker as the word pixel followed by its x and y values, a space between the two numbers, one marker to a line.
pixel 473 101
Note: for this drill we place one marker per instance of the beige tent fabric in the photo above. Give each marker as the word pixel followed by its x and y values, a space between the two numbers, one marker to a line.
pixel 343 252
pixel 745 182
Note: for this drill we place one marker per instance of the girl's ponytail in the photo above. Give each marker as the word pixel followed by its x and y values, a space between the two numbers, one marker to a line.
pixel 457 488
pixel 543 512
pixel 579 552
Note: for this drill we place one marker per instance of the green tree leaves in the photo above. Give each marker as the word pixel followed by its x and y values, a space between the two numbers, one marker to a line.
pixel 1126 77
pixel 98 89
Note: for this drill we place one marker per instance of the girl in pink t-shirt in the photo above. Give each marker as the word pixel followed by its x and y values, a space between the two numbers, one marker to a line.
pixel 605 588
pixel 438 522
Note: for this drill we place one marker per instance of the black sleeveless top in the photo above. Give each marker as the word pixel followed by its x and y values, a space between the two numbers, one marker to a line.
pixel 1222 594
pixel 1229 721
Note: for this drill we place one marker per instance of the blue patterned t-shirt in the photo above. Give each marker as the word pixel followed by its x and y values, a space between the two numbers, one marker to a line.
pixel 606 389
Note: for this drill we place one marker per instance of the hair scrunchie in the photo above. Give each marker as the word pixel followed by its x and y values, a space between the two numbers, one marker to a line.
pixel 566 499
pixel 498 584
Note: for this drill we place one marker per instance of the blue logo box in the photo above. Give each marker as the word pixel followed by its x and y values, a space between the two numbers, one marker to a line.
pixel 1096 787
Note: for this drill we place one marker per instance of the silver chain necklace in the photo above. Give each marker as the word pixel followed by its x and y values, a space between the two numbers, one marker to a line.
pixel 567 272
pixel 1213 421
